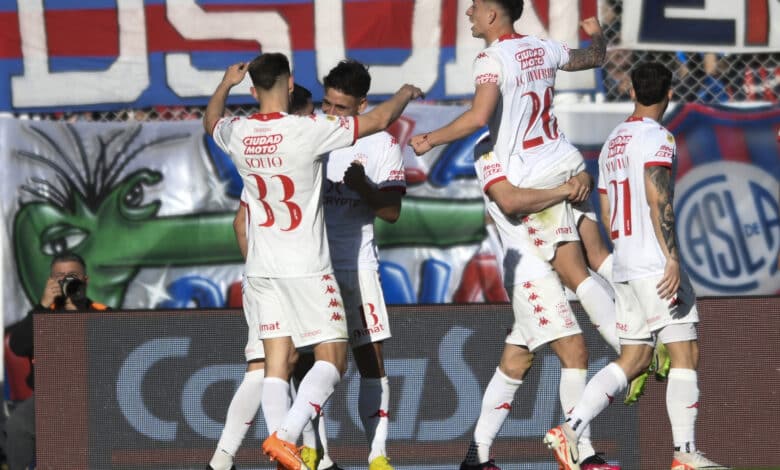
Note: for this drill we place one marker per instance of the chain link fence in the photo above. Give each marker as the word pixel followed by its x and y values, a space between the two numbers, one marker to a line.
pixel 703 77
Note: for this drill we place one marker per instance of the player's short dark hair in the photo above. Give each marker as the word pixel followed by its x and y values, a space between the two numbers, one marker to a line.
pixel 67 257
pixel 513 8
pixel 651 82
pixel 266 69
pixel 349 77
pixel 300 97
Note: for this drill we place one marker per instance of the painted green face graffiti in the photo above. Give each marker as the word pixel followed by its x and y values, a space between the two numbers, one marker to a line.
pixel 109 224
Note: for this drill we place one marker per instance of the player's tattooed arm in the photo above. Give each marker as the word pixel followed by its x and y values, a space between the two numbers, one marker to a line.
pixel 593 55
pixel 661 179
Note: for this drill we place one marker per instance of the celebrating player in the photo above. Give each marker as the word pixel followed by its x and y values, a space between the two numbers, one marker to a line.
pixel 290 284
pixel 514 78
pixel 363 182
pixel 246 401
pixel 655 298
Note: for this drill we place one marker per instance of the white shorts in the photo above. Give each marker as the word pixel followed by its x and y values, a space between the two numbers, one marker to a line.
pixel 556 224
pixel 542 313
pixel 640 312
pixel 307 309
pixel 367 319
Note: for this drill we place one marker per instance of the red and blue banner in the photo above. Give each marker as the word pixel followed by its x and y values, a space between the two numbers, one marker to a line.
pixel 102 55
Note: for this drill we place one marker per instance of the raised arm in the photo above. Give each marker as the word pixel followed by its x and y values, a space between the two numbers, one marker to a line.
pixel 380 118
pixel 592 56
pixel 216 107
pixel 659 191
pixel 476 117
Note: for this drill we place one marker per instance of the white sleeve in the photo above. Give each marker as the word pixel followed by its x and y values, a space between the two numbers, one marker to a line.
pixel 223 129
pixel 390 172
pixel 658 148
pixel 489 170
pixel 559 52
pixel 332 132
pixel 487 69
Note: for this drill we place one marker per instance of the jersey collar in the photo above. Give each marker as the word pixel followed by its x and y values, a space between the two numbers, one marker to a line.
pixel 268 116
pixel 508 36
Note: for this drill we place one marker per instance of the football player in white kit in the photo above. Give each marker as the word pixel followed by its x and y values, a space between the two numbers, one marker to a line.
pixel 655 298
pixel 514 78
pixel 290 284
pixel 362 182
pixel 246 400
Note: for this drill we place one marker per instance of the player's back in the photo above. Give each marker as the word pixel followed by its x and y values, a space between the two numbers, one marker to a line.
pixel 632 147
pixel 279 159
pixel 525 124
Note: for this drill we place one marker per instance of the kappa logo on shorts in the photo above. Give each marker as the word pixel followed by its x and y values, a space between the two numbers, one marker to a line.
pixel 334 302
pixel 329 289
pixel 336 316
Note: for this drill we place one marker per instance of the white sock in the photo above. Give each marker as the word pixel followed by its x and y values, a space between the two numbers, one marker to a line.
pixel 682 404
pixel 308 436
pixel 600 307
pixel 322 435
pixel 605 270
pixel 276 402
pixel 598 394
pixel 221 460
pixel 316 387
pixel 570 392
pixel 373 403
pixel 496 405
pixel 240 415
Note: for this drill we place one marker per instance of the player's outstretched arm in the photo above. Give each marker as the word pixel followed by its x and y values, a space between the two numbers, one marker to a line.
pixel 483 105
pixel 659 191
pixel 216 107
pixel 593 55
pixel 380 118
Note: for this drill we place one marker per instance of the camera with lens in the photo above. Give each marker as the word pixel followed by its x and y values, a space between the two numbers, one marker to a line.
pixel 72 287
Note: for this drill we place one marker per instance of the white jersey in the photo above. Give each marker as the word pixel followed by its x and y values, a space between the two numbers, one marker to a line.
pixel 520 260
pixel 523 128
pixel 279 158
pixel 634 145
pixel 349 219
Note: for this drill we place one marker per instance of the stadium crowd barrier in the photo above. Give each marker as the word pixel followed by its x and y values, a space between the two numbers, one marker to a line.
pixel 149 389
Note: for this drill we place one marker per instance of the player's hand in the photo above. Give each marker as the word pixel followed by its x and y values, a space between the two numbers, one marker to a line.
pixel 412 90
pixel 591 26
pixel 235 73
pixel 355 177
pixel 50 292
pixel 670 282
pixel 421 144
pixel 580 186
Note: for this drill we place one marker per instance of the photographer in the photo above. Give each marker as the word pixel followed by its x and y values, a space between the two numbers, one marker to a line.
pixel 66 290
